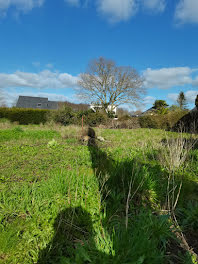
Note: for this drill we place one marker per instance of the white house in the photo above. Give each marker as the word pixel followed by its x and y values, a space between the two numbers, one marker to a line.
pixel 110 108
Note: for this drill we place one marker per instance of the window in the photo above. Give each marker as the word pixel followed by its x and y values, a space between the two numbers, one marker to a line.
pixel 38 104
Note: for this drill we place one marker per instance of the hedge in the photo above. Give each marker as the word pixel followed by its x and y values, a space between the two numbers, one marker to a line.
pixel 24 116
pixel 166 121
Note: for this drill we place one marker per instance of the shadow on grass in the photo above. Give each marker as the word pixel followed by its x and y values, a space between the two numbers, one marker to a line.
pixel 73 239
pixel 137 235
pixel 128 188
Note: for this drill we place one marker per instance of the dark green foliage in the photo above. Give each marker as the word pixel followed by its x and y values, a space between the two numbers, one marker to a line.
pixel 148 121
pixel 24 116
pixel 196 102
pixel 67 116
pixel 166 121
pixel 187 123
pixel 95 119
pixel 158 104
pixel 64 116
pixel 189 216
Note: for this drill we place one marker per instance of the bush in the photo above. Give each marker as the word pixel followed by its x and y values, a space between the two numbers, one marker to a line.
pixel 166 121
pixel 64 116
pixel 24 116
pixel 131 123
pixel 95 119
pixel 124 117
pixel 187 123
pixel 148 122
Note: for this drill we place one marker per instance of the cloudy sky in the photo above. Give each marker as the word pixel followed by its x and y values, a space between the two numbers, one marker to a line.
pixel 46 44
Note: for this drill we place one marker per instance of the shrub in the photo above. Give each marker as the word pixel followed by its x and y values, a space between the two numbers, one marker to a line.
pixel 95 119
pixel 147 122
pixel 131 123
pixel 64 116
pixel 124 118
pixel 24 116
pixel 166 121
pixel 187 123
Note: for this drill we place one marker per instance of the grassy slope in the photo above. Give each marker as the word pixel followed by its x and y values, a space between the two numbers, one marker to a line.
pixel 59 197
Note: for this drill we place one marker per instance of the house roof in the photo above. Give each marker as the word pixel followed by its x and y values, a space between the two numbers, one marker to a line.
pixel 36 103
pixel 148 111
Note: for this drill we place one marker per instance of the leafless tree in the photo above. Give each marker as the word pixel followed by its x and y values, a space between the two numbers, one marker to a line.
pixel 107 84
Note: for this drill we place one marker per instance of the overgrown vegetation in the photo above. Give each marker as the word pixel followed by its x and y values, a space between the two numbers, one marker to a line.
pixel 114 202
pixel 162 118
pixel 24 116
pixel 162 121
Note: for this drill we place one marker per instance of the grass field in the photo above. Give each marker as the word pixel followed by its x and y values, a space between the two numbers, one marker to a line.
pixel 129 199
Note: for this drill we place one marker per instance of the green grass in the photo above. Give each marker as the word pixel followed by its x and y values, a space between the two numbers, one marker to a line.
pixel 65 202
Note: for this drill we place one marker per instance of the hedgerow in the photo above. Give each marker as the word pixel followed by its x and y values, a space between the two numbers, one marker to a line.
pixel 24 116
pixel 166 121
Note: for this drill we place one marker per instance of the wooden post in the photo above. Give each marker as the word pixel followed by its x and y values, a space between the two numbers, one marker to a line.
pixel 82 123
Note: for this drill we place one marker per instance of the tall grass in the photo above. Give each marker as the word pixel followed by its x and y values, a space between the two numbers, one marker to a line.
pixel 72 203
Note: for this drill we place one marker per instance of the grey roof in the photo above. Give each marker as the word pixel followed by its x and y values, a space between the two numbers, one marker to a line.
pixel 148 111
pixel 36 103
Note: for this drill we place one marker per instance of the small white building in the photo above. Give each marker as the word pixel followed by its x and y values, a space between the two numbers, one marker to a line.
pixel 110 108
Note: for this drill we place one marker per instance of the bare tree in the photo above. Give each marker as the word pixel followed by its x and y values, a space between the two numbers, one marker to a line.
pixel 106 84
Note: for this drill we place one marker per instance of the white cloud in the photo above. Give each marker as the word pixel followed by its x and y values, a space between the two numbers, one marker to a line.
pixel 167 77
pixel 187 11
pixel 117 10
pixel 73 2
pixel 154 5
pixel 121 10
pixel 20 5
pixel 149 100
pixel 44 79
pixel 190 96
pixel 173 97
pixel 195 82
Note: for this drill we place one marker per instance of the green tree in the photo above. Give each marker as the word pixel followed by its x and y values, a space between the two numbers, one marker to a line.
pixel 181 100
pixel 160 106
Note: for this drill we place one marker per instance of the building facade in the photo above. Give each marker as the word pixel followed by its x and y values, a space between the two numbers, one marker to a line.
pixel 36 103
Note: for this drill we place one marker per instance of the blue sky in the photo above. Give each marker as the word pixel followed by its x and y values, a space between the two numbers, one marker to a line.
pixel 46 44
